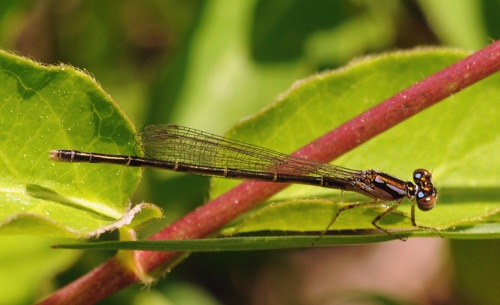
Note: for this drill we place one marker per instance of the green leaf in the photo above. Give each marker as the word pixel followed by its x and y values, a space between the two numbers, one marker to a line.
pixel 253 243
pixel 59 107
pixel 456 140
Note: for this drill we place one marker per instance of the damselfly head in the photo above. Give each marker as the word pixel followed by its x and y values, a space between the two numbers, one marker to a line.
pixel 426 194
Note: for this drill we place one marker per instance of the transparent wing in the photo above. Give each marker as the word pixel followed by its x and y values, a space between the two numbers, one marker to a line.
pixel 191 146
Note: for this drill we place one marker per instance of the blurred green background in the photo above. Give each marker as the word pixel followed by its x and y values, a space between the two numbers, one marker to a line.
pixel 208 64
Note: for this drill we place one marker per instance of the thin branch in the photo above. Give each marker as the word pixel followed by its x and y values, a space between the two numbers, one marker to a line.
pixel 112 276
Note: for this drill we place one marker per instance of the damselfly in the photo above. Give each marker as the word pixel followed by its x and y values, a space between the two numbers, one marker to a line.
pixel 184 149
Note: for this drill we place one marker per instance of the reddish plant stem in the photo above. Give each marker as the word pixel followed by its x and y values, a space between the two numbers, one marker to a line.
pixel 112 276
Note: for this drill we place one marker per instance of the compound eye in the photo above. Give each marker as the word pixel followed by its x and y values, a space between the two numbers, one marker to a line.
pixel 426 203
pixel 421 175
